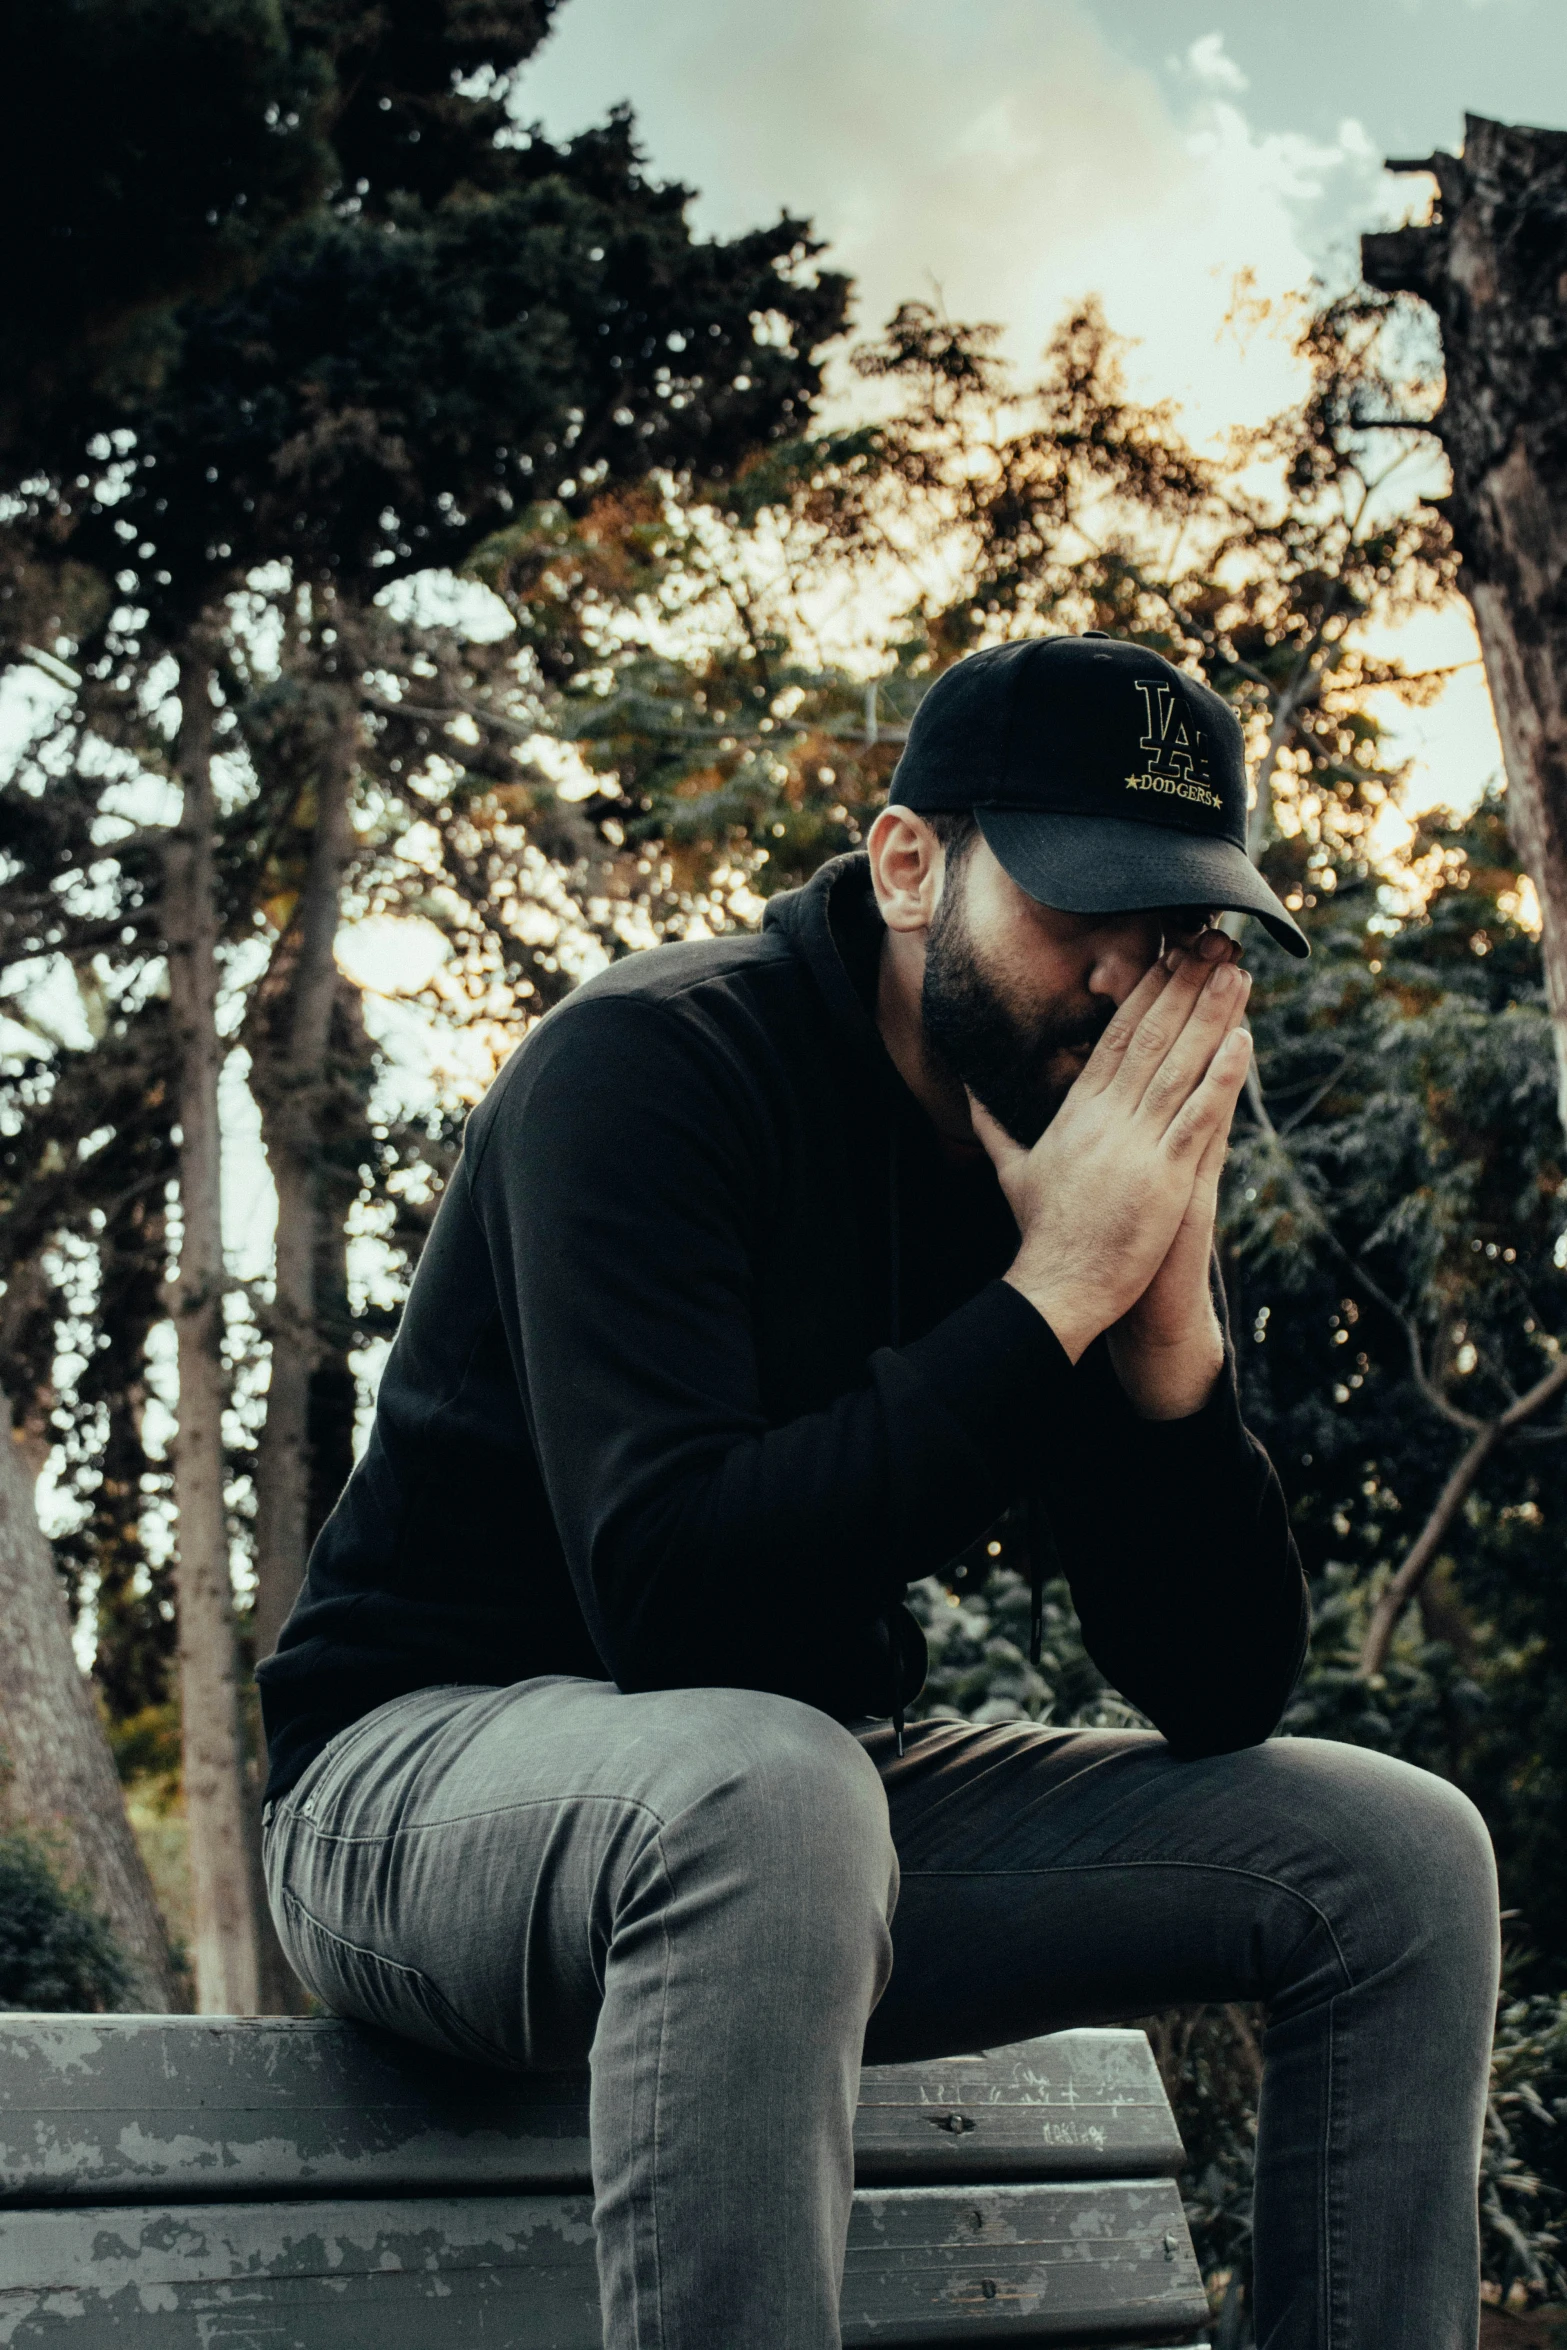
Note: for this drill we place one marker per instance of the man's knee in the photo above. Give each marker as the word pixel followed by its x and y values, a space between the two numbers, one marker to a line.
pixel 1409 1854
pixel 778 1775
pixel 781 1816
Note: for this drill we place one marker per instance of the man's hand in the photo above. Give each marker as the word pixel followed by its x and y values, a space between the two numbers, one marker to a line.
pixel 1115 1200
pixel 1169 1350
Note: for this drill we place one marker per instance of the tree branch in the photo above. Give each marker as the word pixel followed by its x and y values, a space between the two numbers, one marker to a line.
pixel 1422 1552
pixel 1352 1264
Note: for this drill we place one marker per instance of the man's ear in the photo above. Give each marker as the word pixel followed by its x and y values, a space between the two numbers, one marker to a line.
pixel 907 863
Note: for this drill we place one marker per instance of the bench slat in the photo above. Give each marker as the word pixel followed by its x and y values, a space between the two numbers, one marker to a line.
pixel 1084 2104
pixel 1108 2261
pixel 94 2108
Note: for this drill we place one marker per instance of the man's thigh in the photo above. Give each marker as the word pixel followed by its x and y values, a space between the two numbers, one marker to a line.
pixel 1059 1877
pixel 456 1866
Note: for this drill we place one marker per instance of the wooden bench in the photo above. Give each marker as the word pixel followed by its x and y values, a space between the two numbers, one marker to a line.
pixel 187 2183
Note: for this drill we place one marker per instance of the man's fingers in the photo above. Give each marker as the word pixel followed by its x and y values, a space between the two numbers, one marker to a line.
pixel 1219 1009
pixel 1212 1105
pixel 1163 1020
pixel 1212 1014
pixel 1211 1165
pixel 1193 966
pixel 1205 1185
pixel 1108 1053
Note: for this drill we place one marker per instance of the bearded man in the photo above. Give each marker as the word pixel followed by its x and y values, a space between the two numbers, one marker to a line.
pixel 776 1270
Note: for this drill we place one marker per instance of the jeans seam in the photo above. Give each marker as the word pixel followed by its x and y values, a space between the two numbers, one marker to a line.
pixel 654 2148
pixel 397 1966
pixel 658 2083
pixel 460 1819
pixel 1206 1868
pixel 1330 2266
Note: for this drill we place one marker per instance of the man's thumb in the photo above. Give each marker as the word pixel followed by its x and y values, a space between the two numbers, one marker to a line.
pixel 1003 1151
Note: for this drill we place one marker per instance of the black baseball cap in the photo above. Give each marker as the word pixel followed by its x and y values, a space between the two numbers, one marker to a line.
pixel 1104 778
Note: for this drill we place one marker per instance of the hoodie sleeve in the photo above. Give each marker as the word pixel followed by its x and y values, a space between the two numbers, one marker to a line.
pixel 618 1184
pixel 1175 1539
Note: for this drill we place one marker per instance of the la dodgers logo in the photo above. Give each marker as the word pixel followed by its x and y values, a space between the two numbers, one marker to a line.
pixel 1175 753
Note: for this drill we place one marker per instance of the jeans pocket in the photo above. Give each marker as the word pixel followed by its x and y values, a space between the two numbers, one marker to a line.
pixel 368 1988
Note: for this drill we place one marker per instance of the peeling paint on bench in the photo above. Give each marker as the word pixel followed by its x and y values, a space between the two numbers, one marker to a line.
pixel 1075 2105
pixel 163 2107
pixel 925 2264
pixel 258 2183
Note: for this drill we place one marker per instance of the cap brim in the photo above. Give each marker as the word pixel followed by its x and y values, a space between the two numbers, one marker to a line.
pixel 1111 865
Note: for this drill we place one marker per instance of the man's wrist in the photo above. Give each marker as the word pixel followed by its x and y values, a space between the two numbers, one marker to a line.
pixel 1071 1318
pixel 1171 1380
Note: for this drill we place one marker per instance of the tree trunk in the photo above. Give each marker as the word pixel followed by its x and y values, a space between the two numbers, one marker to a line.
pixel 290 1078
pixel 332 1392
pixel 1493 266
pixel 61 1779
pixel 346 1146
pixel 217 1809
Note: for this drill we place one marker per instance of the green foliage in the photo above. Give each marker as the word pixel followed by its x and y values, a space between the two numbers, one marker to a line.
pixel 153 148
pixel 682 628
pixel 162 146
pixel 1523 2169
pixel 1425 1706
pixel 1391 1237
pixel 56 1954
pixel 976 1628
pixel 383 394
pixel 146 1745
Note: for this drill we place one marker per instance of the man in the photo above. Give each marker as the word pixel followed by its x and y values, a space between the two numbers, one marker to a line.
pixel 776 1269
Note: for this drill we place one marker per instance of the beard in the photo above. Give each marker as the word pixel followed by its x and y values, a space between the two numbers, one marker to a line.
pixel 1008 1056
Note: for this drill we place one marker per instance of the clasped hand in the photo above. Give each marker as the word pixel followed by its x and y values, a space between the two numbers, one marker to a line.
pixel 1116 1201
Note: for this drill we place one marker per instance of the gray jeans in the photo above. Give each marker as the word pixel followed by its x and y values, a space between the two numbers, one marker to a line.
pixel 694 1890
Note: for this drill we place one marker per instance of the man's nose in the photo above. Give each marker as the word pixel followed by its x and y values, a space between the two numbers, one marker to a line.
pixel 1122 954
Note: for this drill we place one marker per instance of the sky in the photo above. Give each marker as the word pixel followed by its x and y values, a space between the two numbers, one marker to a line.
pixel 1006 157
pixel 1018 153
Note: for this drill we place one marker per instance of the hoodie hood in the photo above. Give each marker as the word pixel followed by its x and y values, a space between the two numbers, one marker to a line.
pixel 832 924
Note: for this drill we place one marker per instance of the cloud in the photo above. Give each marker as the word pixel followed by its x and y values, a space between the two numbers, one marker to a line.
pixel 1208 61
pixel 1002 155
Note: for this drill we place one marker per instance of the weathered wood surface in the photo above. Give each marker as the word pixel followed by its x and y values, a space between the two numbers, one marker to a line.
pixel 102 2108
pixel 436 2274
pixel 1086 2104
pixel 1048 2263
pixel 1108 2262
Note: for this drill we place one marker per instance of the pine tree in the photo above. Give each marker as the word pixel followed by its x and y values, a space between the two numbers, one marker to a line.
pixel 466 312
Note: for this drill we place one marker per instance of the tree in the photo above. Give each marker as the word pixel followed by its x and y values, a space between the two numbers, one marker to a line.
pixel 466 310
pixel 60 1780
pixel 159 147
pixel 972 509
pixel 227 1952
pixel 1490 263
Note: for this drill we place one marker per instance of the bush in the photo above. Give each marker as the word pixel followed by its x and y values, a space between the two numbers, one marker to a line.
pixel 55 1952
pixel 979 1669
pixel 1523 2166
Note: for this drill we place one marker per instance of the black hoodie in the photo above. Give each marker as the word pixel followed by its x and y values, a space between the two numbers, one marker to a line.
pixel 708 1356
